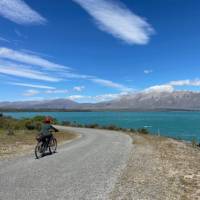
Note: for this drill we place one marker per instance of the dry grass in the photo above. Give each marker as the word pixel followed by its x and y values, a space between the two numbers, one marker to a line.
pixel 24 141
pixel 160 168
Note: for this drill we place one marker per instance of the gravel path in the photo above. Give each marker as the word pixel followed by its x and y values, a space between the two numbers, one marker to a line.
pixel 86 168
pixel 159 169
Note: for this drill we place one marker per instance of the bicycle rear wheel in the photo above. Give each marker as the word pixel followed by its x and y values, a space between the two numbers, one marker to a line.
pixel 39 150
pixel 53 145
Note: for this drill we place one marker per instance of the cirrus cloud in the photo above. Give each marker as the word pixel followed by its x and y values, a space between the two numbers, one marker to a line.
pixel 33 66
pixel 148 71
pixel 111 84
pixel 31 59
pixel 30 93
pixel 79 88
pixel 33 86
pixel 187 82
pixel 116 19
pixel 160 88
pixel 19 12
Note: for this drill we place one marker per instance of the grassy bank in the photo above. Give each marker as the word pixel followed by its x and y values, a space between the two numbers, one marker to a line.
pixel 112 127
pixel 18 136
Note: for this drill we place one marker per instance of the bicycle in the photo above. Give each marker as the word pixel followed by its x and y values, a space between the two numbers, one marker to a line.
pixel 43 146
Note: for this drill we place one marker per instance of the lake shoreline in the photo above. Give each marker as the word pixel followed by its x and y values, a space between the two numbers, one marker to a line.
pixel 179 125
pixel 100 110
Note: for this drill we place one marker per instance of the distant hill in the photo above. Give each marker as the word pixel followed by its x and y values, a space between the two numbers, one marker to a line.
pixel 45 104
pixel 143 101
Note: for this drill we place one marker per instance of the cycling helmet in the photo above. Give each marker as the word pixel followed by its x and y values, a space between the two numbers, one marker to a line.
pixel 47 120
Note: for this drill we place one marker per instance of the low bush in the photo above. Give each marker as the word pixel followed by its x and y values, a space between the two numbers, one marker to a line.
pixel 112 127
pixel 66 123
pixel 132 130
pixel 29 125
pixel 92 126
pixel 143 131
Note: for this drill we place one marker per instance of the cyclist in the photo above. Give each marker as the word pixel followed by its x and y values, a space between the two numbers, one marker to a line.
pixel 45 133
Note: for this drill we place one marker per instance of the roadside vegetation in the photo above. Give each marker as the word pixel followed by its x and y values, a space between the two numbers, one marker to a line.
pixel 106 127
pixel 131 131
pixel 18 136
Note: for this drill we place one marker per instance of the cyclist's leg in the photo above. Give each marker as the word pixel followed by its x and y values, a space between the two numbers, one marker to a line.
pixel 49 137
pixel 43 139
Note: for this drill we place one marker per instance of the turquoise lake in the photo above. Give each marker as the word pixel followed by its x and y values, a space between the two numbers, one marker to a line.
pixel 180 125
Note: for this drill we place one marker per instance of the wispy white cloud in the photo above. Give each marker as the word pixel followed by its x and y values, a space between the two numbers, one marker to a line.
pixel 33 86
pixel 115 18
pixel 148 71
pixel 30 52
pixel 29 59
pixel 94 79
pixel 171 86
pixel 19 12
pixel 4 40
pixel 30 93
pixel 73 75
pixel 96 98
pixel 111 84
pixel 26 73
pixel 19 34
pixel 13 62
pixel 79 88
pixel 187 82
pixel 33 92
pixel 75 97
pixel 56 91
pixel 107 97
pixel 159 88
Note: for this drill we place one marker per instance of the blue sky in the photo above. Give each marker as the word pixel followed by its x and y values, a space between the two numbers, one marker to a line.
pixel 95 50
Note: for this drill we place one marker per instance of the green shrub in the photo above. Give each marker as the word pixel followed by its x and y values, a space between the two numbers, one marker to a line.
pixel 39 118
pixel 143 131
pixel 112 127
pixel 29 125
pixel 132 130
pixel 92 126
pixel 80 125
pixel 66 123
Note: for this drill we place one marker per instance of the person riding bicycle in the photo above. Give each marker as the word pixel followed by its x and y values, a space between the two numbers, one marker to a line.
pixel 46 130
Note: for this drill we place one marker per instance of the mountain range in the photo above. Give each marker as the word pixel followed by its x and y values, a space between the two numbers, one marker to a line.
pixel 143 101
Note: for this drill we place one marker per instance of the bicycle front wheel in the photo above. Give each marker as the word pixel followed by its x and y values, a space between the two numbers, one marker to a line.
pixel 39 150
pixel 53 145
